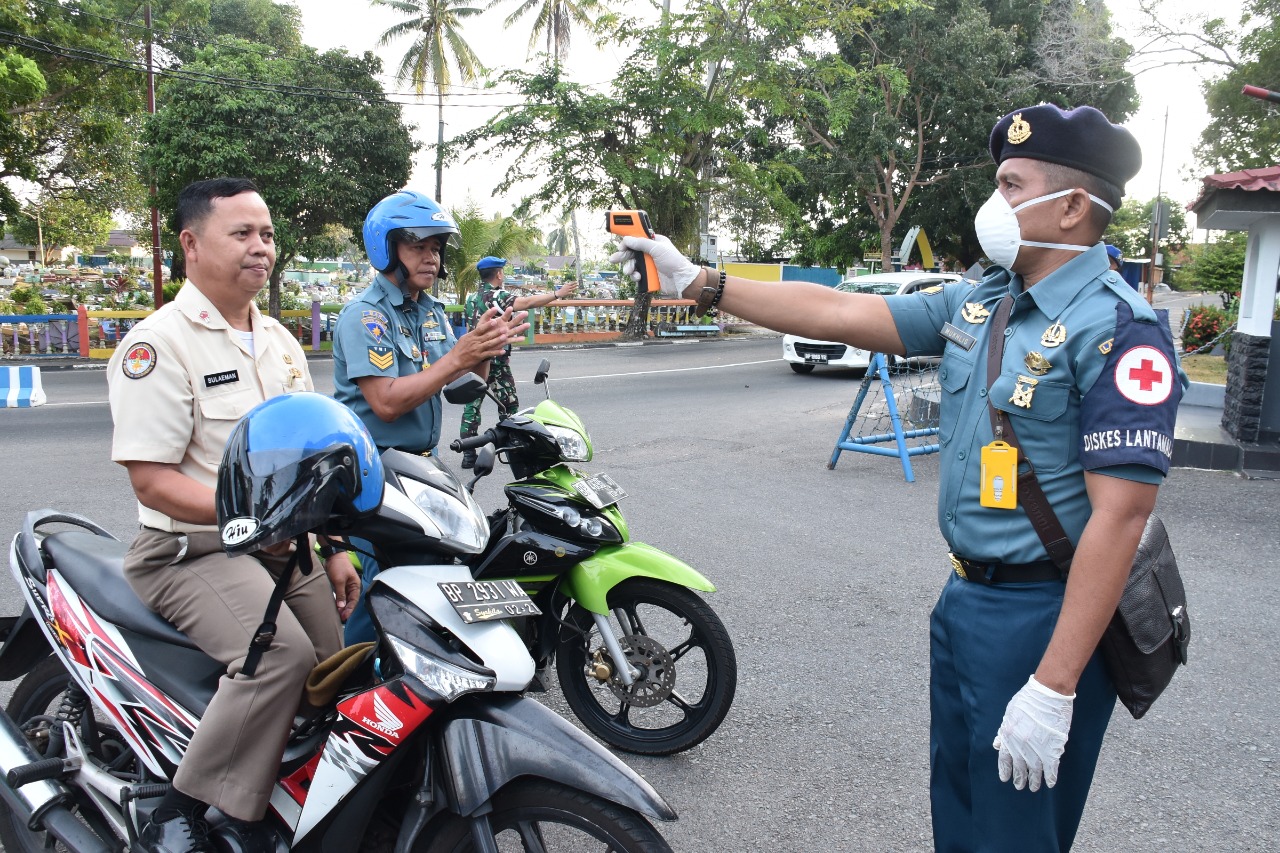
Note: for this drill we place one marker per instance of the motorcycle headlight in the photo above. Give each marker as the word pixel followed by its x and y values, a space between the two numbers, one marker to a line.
pixel 444 678
pixel 573 445
pixel 461 521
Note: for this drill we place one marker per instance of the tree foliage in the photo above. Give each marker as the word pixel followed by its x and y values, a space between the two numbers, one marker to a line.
pixel 500 236
pixel 892 125
pixel 1216 267
pixel 318 161
pixel 1243 132
pixel 72 90
pixel 61 221
pixel 1131 226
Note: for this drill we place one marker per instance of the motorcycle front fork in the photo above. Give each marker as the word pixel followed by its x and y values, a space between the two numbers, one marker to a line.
pixel 627 674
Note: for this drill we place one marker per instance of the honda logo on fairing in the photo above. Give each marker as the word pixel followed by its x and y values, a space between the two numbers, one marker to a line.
pixel 387 723
pixel 238 530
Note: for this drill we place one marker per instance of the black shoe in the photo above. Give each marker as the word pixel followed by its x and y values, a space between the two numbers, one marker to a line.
pixel 468 459
pixel 181 834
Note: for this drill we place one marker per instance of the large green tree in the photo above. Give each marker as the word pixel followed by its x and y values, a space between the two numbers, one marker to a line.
pixel 892 124
pixel 1243 132
pixel 500 236
pixel 314 130
pixel 72 90
pixel 1216 267
pixel 1131 230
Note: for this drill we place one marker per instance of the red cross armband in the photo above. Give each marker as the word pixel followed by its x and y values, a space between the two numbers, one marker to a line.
pixel 1128 415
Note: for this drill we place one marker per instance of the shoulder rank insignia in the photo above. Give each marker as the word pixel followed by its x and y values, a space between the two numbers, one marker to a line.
pixel 1037 364
pixel 1055 335
pixel 1105 346
pixel 382 357
pixel 937 288
pixel 974 313
pixel 376 322
pixel 1019 130
pixel 1023 390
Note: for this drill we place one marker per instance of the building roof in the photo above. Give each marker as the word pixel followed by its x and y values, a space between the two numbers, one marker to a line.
pixel 1233 201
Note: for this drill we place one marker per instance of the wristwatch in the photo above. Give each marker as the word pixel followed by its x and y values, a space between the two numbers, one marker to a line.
pixel 710 294
pixel 325 550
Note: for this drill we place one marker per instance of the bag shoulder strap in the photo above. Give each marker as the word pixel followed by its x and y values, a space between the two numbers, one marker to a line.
pixel 266 633
pixel 1032 498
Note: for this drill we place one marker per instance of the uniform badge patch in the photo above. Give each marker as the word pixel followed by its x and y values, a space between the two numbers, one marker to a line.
pixel 139 361
pixel 1105 346
pixel 376 322
pixel 1037 363
pixel 1144 376
pixel 937 288
pixel 1019 130
pixel 382 357
pixel 212 380
pixel 974 313
pixel 960 338
pixel 1054 336
pixel 1023 391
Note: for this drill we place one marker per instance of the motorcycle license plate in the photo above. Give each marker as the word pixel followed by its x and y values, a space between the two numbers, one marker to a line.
pixel 484 601
pixel 600 490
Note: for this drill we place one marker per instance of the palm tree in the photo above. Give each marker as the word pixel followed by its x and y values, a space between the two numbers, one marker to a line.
pixel 438 50
pixel 559 238
pixel 502 236
pixel 555 19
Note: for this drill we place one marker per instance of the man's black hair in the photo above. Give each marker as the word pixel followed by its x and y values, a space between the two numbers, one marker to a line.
pixel 195 202
pixel 488 275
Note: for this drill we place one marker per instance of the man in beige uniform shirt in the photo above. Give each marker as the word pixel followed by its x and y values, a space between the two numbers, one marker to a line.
pixel 179 382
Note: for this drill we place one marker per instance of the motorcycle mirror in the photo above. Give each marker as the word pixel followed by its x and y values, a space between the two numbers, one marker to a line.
pixel 467 388
pixel 544 368
pixel 485 458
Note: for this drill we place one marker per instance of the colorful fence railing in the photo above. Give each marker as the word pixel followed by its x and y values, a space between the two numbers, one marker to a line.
pixel 95 333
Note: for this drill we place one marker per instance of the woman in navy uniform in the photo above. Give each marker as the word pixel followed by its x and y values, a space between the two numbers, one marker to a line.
pixel 1089 382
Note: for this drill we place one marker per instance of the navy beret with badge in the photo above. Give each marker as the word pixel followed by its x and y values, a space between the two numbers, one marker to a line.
pixel 1082 138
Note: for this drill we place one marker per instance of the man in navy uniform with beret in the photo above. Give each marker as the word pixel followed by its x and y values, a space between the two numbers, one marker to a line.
pixel 502 384
pixel 1089 382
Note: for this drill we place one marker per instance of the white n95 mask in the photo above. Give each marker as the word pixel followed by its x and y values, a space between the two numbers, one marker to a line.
pixel 1000 234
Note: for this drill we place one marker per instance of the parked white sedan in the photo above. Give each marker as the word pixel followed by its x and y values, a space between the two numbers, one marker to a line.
pixel 804 354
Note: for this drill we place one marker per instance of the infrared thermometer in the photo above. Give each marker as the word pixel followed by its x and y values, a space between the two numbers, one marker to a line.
pixel 635 223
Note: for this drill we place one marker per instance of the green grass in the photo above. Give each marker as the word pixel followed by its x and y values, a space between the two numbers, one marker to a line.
pixel 1206 368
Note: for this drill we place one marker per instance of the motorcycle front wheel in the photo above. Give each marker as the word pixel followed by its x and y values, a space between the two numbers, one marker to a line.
pixel 534 814
pixel 688 672
pixel 46 693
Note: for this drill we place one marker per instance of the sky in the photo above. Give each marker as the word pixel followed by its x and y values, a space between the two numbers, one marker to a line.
pixel 1167 153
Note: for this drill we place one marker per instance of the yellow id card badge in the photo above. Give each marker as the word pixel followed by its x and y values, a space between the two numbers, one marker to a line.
pixel 999 476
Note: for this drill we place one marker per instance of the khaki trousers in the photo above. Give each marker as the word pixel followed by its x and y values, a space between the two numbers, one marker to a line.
pixel 218 601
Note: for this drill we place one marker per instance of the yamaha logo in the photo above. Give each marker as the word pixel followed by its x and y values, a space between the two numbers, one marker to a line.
pixel 238 530
pixel 530 558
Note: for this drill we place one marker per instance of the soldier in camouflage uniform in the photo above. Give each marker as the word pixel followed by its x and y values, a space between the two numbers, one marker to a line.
pixel 501 383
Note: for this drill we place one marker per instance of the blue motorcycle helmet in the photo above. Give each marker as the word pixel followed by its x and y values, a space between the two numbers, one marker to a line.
pixel 295 463
pixel 406 216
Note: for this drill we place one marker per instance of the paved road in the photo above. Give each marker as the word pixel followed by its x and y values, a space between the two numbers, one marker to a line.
pixel 826 579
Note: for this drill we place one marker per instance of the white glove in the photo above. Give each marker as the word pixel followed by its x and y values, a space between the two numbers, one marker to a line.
pixel 675 271
pixel 1033 735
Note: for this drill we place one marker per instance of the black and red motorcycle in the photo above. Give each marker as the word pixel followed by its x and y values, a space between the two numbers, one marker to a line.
pixel 427 746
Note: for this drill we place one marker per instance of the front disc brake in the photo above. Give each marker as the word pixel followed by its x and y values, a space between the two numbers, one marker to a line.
pixel 657 678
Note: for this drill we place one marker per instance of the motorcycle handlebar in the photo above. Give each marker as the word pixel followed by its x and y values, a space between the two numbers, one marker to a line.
pixel 472 442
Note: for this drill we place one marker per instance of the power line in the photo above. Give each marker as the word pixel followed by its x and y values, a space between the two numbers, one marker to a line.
pixel 182 73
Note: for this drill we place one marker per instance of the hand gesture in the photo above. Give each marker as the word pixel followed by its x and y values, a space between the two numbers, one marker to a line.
pixel 490 337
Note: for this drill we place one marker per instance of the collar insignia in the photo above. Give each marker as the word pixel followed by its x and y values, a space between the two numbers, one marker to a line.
pixel 974 313
pixel 1055 335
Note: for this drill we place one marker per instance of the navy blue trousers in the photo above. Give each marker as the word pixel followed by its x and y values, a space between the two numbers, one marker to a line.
pixel 984 643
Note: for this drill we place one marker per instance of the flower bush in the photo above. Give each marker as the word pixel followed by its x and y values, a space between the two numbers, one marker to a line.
pixel 1205 323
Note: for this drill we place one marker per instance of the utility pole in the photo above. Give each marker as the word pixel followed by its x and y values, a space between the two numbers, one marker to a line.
pixel 157 269
pixel 1157 214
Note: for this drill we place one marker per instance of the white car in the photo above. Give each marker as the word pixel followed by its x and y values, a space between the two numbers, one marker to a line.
pixel 804 354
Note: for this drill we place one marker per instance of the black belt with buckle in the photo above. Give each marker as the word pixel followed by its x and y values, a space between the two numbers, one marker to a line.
pixel 989 573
